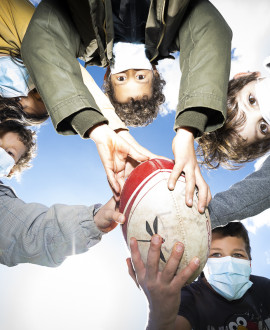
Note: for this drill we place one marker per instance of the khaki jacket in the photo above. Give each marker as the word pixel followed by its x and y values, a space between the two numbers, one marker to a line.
pixel 59 33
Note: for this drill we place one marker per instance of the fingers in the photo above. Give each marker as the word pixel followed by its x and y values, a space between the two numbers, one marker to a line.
pixel 116 189
pixel 136 259
pixel 173 262
pixel 139 157
pixel 190 186
pixel 175 174
pixel 153 256
pixel 182 277
pixel 204 194
pixel 131 272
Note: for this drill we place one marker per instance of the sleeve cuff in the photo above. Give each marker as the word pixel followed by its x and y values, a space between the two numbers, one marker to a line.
pixel 192 118
pixel 83 120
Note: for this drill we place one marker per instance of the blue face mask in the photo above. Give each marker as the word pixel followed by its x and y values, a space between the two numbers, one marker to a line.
pixel 228 276
pixel 6 163
pixel 14 78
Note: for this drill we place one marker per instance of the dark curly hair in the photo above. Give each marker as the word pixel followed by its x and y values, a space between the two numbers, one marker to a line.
pixel 27 137
pixel 225 146
pixel 137 112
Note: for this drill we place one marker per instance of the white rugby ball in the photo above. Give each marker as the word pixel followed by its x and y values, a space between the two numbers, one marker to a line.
pixel 151 208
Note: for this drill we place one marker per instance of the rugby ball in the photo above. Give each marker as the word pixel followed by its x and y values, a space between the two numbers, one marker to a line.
pixel 151 208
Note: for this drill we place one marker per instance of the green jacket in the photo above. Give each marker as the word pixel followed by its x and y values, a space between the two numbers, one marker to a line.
pixel 60 31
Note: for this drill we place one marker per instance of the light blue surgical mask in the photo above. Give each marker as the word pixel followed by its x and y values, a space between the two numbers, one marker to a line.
pixel 228 276
pixel 6 163
pixel 14 78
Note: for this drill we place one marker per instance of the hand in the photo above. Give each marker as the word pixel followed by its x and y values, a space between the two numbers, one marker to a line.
pixel 162 289
pixel 114 152
pixel 107 218
pixel 186 161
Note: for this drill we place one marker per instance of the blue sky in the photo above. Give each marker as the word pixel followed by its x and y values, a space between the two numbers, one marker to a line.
pixel 93 290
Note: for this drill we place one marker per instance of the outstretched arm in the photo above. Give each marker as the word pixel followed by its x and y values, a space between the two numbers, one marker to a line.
pixel 244 199
pixel 162 289
pixel 34 233
pixel 204 41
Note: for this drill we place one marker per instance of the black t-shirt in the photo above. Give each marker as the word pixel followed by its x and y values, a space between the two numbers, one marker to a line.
pixel 129 20
pixel 206 309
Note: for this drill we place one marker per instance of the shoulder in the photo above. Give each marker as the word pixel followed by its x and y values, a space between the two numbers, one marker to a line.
pixel 260 282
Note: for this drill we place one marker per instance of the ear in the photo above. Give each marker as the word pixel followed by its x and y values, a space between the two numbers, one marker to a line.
pixel 242 74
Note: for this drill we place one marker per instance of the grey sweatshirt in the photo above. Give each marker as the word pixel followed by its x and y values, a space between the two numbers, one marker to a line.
pixel 244 199
pixel 34 233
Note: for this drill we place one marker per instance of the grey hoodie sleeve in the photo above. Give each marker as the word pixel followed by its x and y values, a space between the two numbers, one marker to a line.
pixel 244 199
pixel 40 235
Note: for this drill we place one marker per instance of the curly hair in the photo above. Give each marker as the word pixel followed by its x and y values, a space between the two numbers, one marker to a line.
pixel 27 137
pixel 225 146
pixel 10 108
pixel 137 112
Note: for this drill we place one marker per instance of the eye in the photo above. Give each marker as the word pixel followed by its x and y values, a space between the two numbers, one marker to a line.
pixel 238 255
pixel 215 255
pixel 121 78
pixel 11 154
pixel 252 100
pixel 140 76
pixel 263 126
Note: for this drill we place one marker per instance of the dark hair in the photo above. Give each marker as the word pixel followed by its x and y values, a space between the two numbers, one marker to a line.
pixel 27 137
pixel 235 229
pixel 137 112
pixel 10 108
pixel 225 146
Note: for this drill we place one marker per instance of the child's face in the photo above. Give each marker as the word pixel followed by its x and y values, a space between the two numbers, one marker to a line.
pixel 12 145
pixel 228 246
pixel 33 104
pixel 132 83
pixel 255 128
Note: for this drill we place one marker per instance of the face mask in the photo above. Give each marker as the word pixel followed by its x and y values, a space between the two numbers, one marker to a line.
pixel 228 276
pixel 14 78
pixel 263 96
pixel 6 163
pixel 129 56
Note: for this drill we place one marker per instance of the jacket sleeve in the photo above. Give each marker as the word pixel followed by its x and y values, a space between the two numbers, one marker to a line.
pixel 204 41
pixel 244 199
pixel 34 233
pixel 50 49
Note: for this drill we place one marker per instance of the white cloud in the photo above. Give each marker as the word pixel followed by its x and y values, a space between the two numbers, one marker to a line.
pixel 260 220
pixel 170 71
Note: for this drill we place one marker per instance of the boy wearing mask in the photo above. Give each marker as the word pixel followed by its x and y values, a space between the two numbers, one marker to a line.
pixel 225 296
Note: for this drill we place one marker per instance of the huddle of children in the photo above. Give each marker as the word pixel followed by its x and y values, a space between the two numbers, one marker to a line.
pixel 243 137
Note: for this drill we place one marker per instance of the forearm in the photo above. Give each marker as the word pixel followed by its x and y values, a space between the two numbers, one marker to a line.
pixel 244 199
pixel 33 233
pixel 205 43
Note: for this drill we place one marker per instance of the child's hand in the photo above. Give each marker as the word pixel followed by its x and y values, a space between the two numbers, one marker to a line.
pixel 115 154
pixel 162 289
pixel 186 161
pixel 107 218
